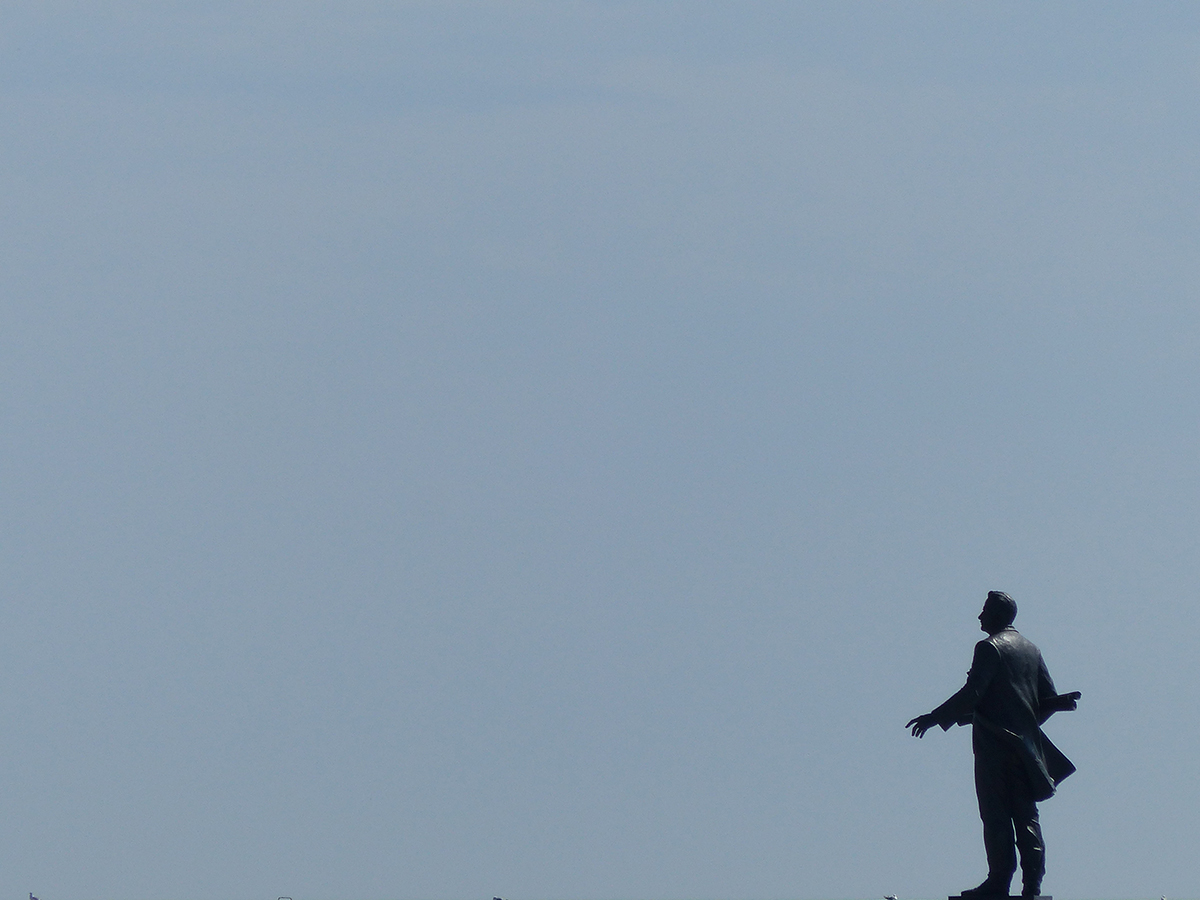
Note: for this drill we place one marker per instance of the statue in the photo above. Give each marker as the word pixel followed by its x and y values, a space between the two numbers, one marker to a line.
pixel 1007 697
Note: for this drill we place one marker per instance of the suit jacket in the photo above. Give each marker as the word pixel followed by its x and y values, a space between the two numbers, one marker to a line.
pixel 1005 693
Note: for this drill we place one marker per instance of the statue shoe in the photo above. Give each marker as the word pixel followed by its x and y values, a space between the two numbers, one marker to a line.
pixel 987 889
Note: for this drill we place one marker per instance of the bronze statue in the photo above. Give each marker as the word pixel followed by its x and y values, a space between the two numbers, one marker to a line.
pixel 1007 697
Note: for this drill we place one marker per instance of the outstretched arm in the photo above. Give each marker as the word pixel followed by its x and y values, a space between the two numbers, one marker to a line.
pixel 958 709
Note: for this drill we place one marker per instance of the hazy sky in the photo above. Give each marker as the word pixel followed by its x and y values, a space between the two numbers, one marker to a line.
pixel 548 450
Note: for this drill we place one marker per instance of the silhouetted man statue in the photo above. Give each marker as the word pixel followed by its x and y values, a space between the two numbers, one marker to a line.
pixel 1007 697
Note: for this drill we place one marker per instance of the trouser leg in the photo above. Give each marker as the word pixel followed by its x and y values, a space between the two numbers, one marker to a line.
pixel 1010 816
pixel 1001 854
pixel 998 843
pixel 1029 842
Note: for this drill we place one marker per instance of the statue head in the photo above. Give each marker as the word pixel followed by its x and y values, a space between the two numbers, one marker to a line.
pixel 999 611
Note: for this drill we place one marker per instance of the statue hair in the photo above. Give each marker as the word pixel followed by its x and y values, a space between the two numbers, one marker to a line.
pixel 1005 606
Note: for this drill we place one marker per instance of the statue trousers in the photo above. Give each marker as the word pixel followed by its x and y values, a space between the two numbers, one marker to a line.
pixel 1008 811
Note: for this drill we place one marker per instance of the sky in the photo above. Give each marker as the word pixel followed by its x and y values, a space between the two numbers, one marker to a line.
pixel 548 450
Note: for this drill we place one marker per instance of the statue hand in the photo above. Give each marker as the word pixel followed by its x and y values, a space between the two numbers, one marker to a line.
pixel 921 724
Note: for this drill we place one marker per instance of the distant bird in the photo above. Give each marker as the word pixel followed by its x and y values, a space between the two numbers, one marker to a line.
pixel 893 897
pixel 31 897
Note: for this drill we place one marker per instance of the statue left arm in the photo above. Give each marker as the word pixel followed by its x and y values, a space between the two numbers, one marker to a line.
pixel 960 707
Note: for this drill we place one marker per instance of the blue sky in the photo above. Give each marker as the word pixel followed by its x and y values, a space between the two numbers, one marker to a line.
pixel 548 450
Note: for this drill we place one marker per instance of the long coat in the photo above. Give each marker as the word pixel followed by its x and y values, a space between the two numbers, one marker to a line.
pixel 1009 693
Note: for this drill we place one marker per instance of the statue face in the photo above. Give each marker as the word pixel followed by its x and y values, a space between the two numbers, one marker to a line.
pixel 991 619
